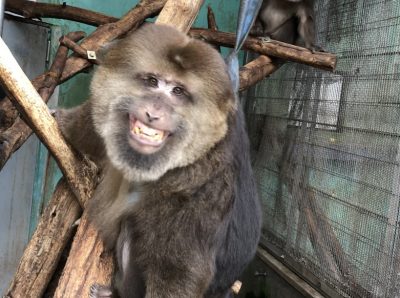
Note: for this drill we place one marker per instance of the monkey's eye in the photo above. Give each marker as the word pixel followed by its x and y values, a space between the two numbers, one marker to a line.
pixel 177 91
pixel 152 81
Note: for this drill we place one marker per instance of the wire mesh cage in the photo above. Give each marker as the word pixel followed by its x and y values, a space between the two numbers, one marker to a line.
pixel 326 153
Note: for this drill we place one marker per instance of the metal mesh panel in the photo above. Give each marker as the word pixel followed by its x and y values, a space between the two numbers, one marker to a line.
pixel 326 153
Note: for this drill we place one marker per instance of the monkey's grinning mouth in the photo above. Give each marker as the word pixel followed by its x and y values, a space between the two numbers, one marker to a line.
pixel 146 135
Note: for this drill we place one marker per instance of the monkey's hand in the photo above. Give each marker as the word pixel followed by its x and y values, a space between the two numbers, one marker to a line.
pixel 315 48
pixel 99 291
pixel 76 125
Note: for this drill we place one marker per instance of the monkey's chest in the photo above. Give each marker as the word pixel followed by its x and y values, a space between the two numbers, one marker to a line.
pixel 172 225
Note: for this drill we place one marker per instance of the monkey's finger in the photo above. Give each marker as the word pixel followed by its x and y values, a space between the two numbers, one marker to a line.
pixel 99 291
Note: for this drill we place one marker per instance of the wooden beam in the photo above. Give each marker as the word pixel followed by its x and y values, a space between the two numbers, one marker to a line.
pixel 294 280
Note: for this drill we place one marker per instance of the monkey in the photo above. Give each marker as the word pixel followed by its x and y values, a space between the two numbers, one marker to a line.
pixel 290 21
pixel 177 202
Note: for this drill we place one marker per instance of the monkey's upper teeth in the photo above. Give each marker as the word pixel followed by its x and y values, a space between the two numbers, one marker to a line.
pixel 143 131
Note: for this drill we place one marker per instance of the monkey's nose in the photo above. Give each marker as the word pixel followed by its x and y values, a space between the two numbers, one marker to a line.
pixel 152 117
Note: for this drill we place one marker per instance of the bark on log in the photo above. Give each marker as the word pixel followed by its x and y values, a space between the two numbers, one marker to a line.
pixel 256 70
pixel 273 48
pixel 78 171
pixel 88 262
pixel 12 138
pixel 30 10
pixel 41 256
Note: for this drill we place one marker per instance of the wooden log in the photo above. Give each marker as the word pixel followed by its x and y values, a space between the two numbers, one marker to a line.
pixel 77 170
pixel 326 61
pixel 41 256
pixel 255 71
pixel 13 137
pixel 31 10
pixel 88 262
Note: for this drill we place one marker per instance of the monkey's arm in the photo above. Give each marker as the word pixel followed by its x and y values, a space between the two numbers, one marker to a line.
pixel 306 27
pixel 76 125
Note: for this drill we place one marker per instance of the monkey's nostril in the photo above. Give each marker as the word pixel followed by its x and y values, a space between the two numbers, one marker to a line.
pixel 151 117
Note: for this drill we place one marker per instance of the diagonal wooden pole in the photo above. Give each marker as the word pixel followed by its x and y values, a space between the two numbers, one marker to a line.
pixel 77 171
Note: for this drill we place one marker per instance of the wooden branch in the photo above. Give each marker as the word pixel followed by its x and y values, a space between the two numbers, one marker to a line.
pixel 78 171
pixel 73 46
pixel 8 114
pixel 273 48
pixel 88 262
pixel 41 256
pixel 212 24
pixel 109 32
pixel 12 138
pixel 180 13
pixel 31 10
pixel 255 71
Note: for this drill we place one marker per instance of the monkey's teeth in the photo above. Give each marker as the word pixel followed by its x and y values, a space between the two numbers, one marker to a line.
pixel 145 132
pixel 148 131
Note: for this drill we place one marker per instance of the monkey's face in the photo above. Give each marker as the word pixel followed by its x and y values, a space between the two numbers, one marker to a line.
pixel 160 100
pixel 152 116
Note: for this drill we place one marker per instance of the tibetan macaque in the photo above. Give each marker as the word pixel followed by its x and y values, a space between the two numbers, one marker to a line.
pixel 287 21
pixel 177 201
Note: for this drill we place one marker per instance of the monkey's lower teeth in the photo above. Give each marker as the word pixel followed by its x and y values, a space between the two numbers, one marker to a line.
pixel 146 134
